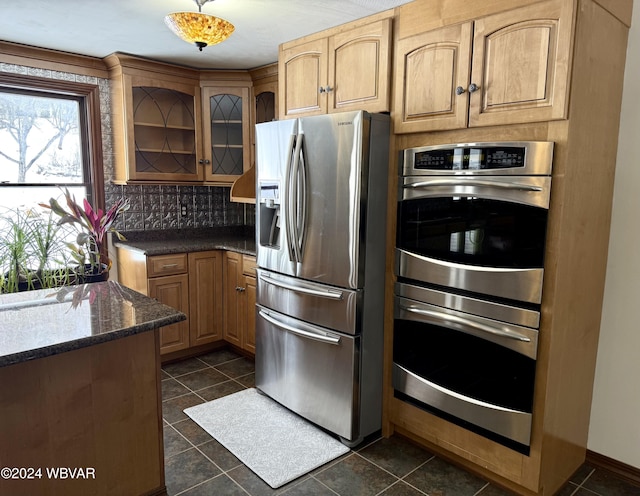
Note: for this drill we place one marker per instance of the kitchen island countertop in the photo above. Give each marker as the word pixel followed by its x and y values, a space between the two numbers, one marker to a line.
pixel 41 323
pixel 164 242
pixel 80 374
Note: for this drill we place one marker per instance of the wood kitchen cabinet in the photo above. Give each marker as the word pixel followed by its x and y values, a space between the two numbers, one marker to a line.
pixel 227 142
pixel 528 58
pixel 248 302
pixel 178 125
pixel 264 106
pixel 191 283
pixel 303 77
pixel 156 121
pixel 205 297
pixel 168 282
pixel 264 97
pixel 506 68
pixel 174 292
pixel 240 299
pixel 346 68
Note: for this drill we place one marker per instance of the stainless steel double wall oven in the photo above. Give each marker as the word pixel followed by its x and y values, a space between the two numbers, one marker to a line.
pixel 472 222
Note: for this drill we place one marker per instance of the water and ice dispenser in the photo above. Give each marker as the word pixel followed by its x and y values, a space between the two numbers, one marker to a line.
pixel 269 205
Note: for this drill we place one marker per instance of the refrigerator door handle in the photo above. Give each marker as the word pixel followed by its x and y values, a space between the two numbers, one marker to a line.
pixel 288 212
pixel 302 219
pixel 297 193
pixel 323 293
pixel 315 335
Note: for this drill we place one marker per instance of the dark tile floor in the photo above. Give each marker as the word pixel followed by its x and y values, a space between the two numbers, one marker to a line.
pixel 196 464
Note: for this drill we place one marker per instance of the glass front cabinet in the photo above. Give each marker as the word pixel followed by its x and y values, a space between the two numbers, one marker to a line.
pixel 176 125
pixel 225 117
pixel 163 131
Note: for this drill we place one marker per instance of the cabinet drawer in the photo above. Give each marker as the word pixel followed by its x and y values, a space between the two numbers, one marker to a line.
pixel 164 265
pixel 249 265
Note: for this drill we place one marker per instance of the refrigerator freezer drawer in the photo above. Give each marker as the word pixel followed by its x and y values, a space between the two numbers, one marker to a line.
pixel 310 370
pixel 326 306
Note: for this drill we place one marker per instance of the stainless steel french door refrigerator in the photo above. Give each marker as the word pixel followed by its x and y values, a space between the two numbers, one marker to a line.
pixel 320 224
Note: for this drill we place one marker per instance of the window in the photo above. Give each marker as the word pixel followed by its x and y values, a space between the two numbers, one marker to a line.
pixel 49 139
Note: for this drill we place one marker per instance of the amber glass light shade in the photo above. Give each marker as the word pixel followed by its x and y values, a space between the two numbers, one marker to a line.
pixel 197 28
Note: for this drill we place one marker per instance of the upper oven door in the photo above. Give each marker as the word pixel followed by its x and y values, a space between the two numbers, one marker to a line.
pixel 480 234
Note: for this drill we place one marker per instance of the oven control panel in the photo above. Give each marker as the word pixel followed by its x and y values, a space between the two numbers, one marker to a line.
pixel 470 158
pixel 520 158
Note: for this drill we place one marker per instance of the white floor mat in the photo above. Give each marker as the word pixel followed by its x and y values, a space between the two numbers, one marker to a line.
pixel 276 444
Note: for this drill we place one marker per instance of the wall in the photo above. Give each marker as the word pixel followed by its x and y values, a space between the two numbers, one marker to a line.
pixel 614 430
pixel 152 207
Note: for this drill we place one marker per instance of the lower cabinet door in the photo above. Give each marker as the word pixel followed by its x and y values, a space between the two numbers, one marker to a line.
pixel 205 297
pixel 174 292
pixel 249 302
pixel 233 318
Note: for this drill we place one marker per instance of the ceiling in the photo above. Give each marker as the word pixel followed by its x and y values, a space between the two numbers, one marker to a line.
pixel 101 27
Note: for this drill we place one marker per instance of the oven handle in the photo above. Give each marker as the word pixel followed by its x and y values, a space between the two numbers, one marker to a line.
pixel 450 392
pixel 476 182
pixel 305 334
pixel 461 320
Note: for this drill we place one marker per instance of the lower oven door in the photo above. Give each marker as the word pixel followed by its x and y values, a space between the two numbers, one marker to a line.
pixel 310 370
pixel 469 369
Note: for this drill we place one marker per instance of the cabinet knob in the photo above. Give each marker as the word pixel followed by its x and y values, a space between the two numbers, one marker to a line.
pixel 240 288
pixel 473 87
pixel 460 90
pixel 204 161
pixel 325 89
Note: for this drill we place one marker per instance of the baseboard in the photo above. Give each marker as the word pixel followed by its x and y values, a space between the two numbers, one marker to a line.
pixel 191 352
pixel 622 470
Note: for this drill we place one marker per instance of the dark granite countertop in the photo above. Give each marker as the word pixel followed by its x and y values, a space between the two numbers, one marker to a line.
pixel 40 323
pixel 237 238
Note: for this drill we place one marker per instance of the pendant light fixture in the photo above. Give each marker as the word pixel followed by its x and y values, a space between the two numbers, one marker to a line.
pixel 198 28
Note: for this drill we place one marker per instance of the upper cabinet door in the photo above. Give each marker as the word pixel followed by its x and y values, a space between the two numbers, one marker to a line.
pixel 227 143
pixel 162 131
pixel 521 65
pixel 348 68
pixel 431 80
pixel 302 76
pixel 359 68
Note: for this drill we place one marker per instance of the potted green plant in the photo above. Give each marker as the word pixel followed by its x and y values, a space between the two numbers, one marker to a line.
pixel 14 253
pixel 32 251
pixel 92 226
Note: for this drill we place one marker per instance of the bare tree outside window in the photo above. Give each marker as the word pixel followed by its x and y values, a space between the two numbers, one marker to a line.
pixel 39 140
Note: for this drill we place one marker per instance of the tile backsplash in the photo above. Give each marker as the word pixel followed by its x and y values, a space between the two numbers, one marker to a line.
pixel 178 207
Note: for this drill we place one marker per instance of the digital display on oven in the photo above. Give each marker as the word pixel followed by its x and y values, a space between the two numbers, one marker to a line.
pixel 471 158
